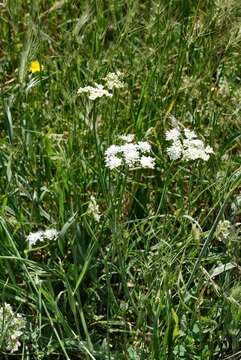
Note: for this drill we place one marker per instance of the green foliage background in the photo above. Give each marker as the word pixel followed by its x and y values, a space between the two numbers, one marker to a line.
pixel 150 280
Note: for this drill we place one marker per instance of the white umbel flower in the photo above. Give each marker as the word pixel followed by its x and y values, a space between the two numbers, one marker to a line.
pixel 127 138
pixel 113 80
pixel 94 92
pixel 175 151
pixel 189 134
pixel 173 134
pixel 187 146
pixel 32 238
pixel 113 150
pixel 130 154
pixel 209 150
pixel 12 326
pixel 41 235
pixel 147 162
pixel 51 234
pixel 113 162
pixel 195 149
pixel 144 146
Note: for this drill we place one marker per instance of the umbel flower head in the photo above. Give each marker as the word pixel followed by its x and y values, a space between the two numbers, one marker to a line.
pixel 94 92
pixel 12 326
pixel 35 66
pixel 49 234
pixel 113 81
pixel 187 146
pixel 130 154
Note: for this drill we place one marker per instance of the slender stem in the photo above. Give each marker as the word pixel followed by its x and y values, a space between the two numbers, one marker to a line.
pixel 206 243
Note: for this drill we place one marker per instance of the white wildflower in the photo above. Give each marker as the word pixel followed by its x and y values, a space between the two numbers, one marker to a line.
pixel 32 238
pixel 112 150
pixel 93 209
pixel 173 134
pixel 199 144
pixel 187 146
pixel 193 149
pixel 127 138
pixel 12 326
pixel 191 153
pixel 209 150
pixel 130 153
pixel 189 134
pixel 113 80
pixel 41 235
pixel 204 156
pixel 94 92
pixel 113 162
pixel 147 162
pixel 175 151
pixel 144 146
pixel 51 234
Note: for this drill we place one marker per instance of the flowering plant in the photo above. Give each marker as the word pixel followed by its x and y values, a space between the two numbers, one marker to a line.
pixel 186 145
pixel 130 154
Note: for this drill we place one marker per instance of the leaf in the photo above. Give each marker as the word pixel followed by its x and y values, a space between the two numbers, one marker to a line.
pixel 176 327
pixel 9 122
pixel 63 232
pixel 221 268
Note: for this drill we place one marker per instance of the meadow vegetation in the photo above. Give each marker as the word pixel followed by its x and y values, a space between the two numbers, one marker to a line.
pixel 127 252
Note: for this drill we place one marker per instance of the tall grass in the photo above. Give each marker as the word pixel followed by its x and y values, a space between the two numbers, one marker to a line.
pixel 152 279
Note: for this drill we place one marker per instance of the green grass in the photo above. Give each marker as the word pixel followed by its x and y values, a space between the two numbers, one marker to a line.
pixel 152 279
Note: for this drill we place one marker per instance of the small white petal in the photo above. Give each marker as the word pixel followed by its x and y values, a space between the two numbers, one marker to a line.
pixel 32 238
pixel 94 92
pixel 175 151
pixel 130 153
pixel 144 146
pixel 113 80
pixel 173 134
pixel 209 150
pixel 113 162
pixel 147 162
pixel 112 150
pixel 51 234
pixel 128 138
pixel 189 134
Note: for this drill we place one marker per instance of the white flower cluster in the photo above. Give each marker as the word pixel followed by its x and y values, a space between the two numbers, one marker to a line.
pixel 112 81
pixel 127 138
pixel 94 92
pixel 131 154
pixel 49 234
pixel 12 326
pixel 93 209
pixel 186 145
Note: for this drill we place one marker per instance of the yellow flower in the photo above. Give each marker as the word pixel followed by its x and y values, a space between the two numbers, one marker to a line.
pixel 35 66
